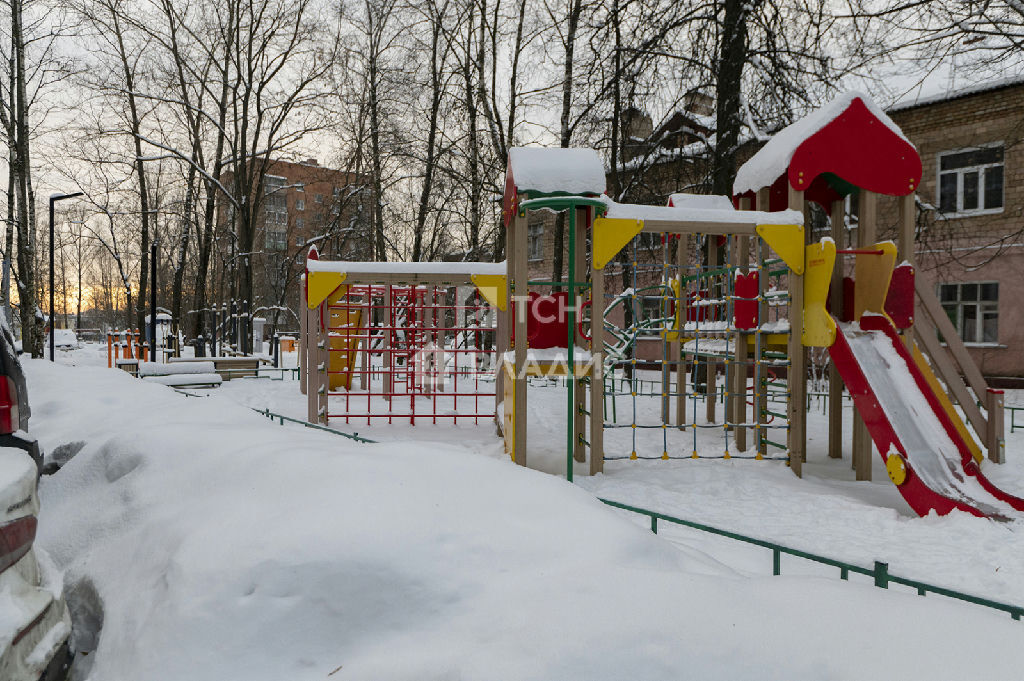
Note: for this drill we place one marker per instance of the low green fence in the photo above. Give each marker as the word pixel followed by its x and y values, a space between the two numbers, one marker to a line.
pixel 1013 417
pixel 879 572
pixel 281 419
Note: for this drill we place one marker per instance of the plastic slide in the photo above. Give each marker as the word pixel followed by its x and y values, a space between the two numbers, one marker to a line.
pixel 931 464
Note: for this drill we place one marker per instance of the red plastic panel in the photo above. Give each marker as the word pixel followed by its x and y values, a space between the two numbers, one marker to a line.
pixel 547 320
pixel 899 301
pixel 699 313
pixel 860 149
pixel 745 311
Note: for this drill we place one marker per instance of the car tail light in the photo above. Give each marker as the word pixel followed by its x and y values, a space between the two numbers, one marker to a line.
pixel 10 418
pixel 16 539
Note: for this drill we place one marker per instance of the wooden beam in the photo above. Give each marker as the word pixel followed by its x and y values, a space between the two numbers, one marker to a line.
pixel 597 375
pixel 579 395
pixel 797 374
pixel 956 347
pixel 697 227
pixel 835 381
pixel 867 209
pixel 682 252
pixel 943 366
pixel 520 275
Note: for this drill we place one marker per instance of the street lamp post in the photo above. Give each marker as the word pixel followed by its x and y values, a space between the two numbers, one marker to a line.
pixel 54 198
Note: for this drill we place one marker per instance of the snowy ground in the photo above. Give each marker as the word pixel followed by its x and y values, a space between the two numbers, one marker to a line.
pixel 222 545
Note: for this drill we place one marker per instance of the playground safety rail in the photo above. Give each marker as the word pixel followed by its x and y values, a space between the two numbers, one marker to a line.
pixel 281 418
pixel 879 572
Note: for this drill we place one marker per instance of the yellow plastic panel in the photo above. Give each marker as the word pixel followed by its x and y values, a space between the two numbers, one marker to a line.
pixel 610 236
pixel 871 276
pixel 319 285
pixel 788 242
pixel 947 404
pixel 492 287
pixel 819 327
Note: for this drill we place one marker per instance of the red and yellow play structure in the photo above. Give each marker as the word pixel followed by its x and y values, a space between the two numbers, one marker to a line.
pixel 667 308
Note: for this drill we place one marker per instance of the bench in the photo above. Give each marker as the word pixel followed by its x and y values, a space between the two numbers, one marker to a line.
pixel 226 367
pixel 182 375
pixel 130 365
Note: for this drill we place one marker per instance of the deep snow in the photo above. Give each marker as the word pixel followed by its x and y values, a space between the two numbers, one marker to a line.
pixel 222 545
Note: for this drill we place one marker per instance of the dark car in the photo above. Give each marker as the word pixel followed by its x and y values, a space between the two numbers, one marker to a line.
pixel 35 626
pixel 14 409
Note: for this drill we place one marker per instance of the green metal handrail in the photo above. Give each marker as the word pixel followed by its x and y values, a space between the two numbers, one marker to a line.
pixel 880 571
pixel 281 418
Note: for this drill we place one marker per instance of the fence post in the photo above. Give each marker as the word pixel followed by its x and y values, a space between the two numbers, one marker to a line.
pixel 776 562
pixel 881 575
pixel 654 524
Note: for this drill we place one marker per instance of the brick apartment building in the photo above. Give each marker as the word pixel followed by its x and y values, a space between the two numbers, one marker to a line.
pixel 301 204
pixel 970 241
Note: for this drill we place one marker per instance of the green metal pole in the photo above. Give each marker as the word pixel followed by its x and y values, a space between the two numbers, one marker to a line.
pixel 571 382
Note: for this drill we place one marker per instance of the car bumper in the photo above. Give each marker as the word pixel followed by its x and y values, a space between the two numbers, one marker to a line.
pixel 34 633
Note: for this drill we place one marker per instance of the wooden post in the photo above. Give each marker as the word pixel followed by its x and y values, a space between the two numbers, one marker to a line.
pixel 797 375
pixel 866 236
pixel 760 390
pixel 677 351
pixel 710 377
pixel 303 332
pixel 994 436
pixel 309 369
pixel 835 382
pixel 597 373
pixel 579 395
pixel 520 282
pixel 501 345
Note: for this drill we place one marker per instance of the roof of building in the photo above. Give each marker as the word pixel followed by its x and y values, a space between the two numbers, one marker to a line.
pixel 958 93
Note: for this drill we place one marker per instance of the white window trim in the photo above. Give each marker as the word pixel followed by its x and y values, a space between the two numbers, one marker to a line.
pixel 980 319
pixel 540 236
pixel 959 191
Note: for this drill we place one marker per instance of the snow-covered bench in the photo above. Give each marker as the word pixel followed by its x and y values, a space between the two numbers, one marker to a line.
pixel 183 375
pixel 226 367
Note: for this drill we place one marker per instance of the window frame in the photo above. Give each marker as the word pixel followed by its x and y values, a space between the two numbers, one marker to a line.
pixel 973 212
pixel 535 235
pixel 979 304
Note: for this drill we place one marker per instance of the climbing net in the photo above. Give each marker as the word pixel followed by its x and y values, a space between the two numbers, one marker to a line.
pixel 696 350
pixel 410 352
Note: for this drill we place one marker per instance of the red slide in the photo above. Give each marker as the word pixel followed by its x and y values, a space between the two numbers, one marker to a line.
pixel 905 417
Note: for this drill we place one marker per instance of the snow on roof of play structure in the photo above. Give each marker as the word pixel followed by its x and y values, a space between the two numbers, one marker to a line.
pixel 703 201
pixel 410 268
pixel 689 213
pixel 773 159
pixel 551 169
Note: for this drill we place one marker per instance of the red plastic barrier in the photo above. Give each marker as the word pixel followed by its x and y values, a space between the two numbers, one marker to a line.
pixel 547 320
pixel 745 311
pixel 899 301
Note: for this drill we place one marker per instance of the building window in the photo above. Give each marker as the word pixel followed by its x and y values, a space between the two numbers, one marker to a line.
pixel 300 223
pixel 276 239
pixel 299 241
pixel 300 187
pixel 300 204
pixel 535 242
pixel 971 180
pixel 973 309
pixel 319 198
pixel 275 202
